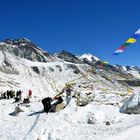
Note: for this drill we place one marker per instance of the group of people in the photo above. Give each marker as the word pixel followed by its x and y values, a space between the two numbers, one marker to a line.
pixel 17 95
pixel 8 94
pixel 50 104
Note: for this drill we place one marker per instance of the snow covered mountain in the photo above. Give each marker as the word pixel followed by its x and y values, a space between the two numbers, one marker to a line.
pixel 89 57
pixel 21 58
pixel 134 70
pixel 24 48
pixel 102 87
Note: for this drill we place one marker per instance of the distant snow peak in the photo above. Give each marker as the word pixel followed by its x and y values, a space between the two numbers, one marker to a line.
pixel 2 43
pixel 89 57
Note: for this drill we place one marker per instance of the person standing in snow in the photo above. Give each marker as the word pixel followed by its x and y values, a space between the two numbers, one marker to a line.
pixel 4 95
pixel 68 91
pixel 8 94
pixel 12 94
pixel 68 95
pixel 18 96
pixel 30 93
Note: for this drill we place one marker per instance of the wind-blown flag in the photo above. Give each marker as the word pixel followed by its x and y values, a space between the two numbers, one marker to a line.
pixel 131 40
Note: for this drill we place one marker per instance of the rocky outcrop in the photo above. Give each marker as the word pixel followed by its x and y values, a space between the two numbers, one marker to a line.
pixel 74 68
pixel 135 82
pixel 24 48
pixel 66 56
pixel 132 105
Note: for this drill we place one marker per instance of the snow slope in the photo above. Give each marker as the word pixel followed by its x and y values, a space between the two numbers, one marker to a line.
pixel 89 57
pixel 77 123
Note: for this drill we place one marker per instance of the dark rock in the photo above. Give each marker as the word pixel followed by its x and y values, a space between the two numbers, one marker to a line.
pixel 59 67
pixel 133 82
pixel 8 41
pixel 107 123
pixel 74 67
pixel 35 69
pixel 24 48
pixel 66 56
pixel 132 105
pixel 128 68
pixel 51 69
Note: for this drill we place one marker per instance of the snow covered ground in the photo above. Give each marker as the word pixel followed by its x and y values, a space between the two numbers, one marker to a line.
pixel 93 121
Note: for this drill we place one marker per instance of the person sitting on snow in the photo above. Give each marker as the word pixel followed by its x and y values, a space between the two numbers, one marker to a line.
pixel 18 110
pixel 26 100
pixel 56 103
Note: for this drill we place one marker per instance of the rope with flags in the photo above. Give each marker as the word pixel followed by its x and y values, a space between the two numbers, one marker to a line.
pixel 130 41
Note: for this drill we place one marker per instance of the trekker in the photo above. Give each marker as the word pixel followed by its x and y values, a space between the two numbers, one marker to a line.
pixel 18 96
pixel 8 94
pixel 57 104
pixel 57 100
pixel 18 109
pixel 12 94
pixel 26 100
pixel 47 104
pixel 68 91
pixel 68 95
pixel 4 95
pixel 30 93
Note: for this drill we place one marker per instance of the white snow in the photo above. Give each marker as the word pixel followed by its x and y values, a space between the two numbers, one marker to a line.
pixel 99 120
pixel 89 57
pixel 130 134
pixel 70 123
pixel 2 43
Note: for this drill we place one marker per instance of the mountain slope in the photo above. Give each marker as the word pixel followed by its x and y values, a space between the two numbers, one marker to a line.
pixel 24 62
pixel 24 48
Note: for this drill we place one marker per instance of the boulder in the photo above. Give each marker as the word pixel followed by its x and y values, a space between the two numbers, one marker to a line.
pixel 132 105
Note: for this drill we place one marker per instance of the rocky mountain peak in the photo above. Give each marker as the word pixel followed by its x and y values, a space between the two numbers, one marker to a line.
pixel 89 57
pixel 17 41
pixel 69 57
pixel 24 48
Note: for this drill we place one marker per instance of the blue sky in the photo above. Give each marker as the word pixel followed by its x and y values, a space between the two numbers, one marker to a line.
pixel 79 26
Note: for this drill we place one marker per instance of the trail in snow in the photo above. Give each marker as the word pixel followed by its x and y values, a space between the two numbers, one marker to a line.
pixel 32 127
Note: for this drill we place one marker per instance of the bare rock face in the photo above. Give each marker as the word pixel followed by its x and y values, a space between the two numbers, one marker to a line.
pixel 66 56
pixel 24 48
pixel 132 105
pixel 84 99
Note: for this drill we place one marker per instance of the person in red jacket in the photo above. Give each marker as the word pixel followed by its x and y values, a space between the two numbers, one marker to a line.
pixel 30 93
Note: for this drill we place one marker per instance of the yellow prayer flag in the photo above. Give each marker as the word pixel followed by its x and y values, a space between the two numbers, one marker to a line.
pixel 131 40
